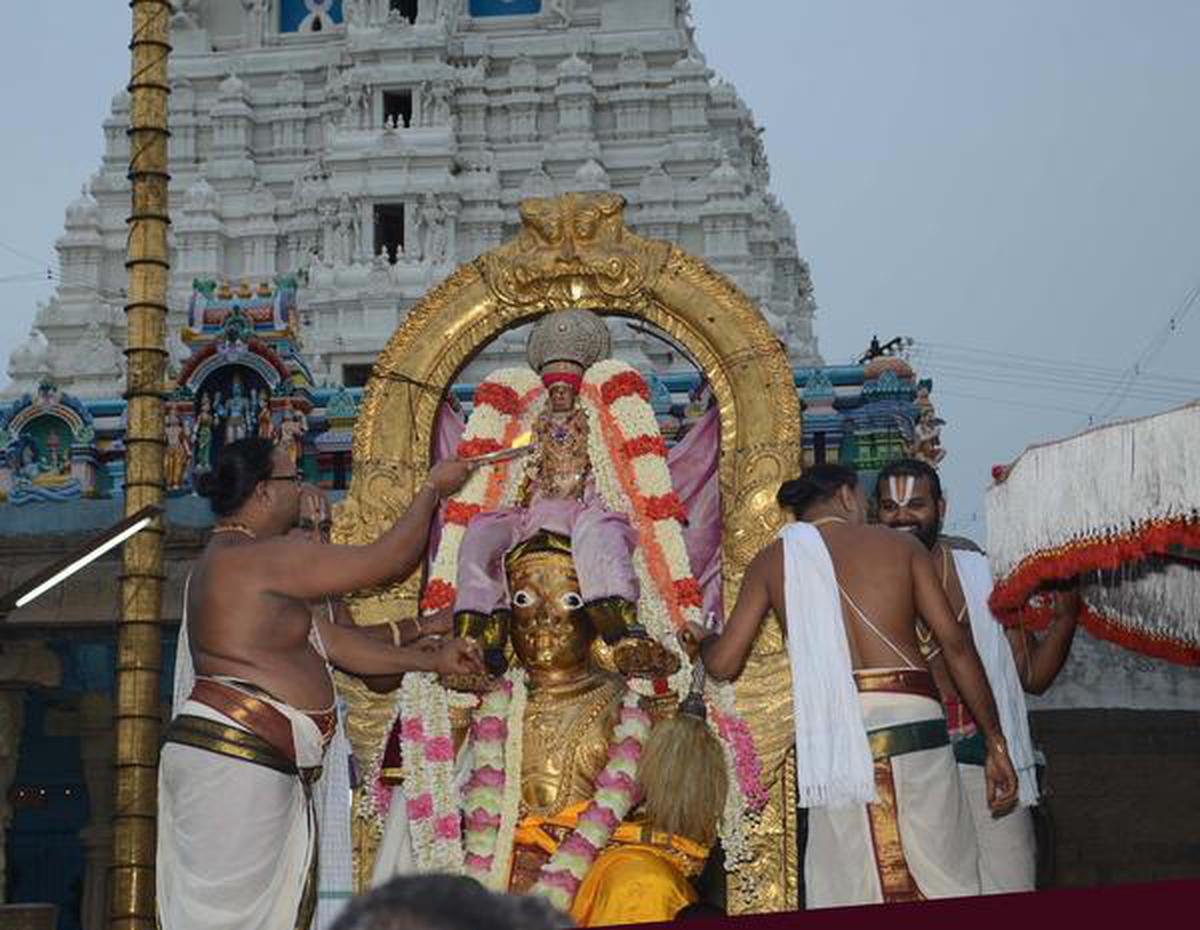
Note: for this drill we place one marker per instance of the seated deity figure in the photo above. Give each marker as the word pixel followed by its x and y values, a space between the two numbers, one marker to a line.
pixel 566 558
pixel 556 492
pixel 572 841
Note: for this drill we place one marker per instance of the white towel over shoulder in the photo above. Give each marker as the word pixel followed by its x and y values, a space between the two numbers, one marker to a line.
pixel 833 759
pixel 997 658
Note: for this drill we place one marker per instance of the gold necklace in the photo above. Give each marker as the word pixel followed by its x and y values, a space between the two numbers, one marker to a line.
pixel 822 521
pixel 234 528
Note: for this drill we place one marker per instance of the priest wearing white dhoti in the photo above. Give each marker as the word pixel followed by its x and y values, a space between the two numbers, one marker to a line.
pixel 237 831
pixel 908 496
pixel 886 820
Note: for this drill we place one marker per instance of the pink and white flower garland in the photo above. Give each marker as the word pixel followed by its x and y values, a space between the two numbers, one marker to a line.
pixel 491 797
pixel 434 818
pixel 505 405
pixel 617 793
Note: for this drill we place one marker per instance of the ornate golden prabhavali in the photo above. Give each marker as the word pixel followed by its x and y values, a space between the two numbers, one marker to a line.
pixel 575 251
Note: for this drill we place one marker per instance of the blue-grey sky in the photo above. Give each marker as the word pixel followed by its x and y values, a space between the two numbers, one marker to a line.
pixel 1001 181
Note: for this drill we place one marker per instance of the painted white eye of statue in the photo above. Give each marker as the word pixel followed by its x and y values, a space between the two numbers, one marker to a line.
pixel 571 600
pixel 524 598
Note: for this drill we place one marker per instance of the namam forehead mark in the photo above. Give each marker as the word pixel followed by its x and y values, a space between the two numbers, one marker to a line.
pixel 901 487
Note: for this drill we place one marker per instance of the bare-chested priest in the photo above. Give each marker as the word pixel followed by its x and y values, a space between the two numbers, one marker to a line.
pixel 886 820
pixel 909 497
pixel 237 824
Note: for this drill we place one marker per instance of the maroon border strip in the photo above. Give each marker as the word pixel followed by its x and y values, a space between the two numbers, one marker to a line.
pixel 1110 906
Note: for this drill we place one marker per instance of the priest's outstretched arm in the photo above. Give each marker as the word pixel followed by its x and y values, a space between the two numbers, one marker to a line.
pixel 724 655
pixel 309 571
pixel 356 651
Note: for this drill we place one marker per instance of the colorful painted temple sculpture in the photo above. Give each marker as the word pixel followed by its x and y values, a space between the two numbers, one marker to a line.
pixel 245 376
pixel 48 450
pixel 246 373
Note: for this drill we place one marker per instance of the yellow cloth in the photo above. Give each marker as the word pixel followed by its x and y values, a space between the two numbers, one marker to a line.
pixel 631 881
pixel 632 884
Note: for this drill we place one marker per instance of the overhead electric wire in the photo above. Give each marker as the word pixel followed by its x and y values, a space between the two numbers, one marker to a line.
pixel 960 374
pixel 1030 405
pixel 27 277
pixel 1174 323
pixel 25 255
pixel 1035 361
pixel 1008 361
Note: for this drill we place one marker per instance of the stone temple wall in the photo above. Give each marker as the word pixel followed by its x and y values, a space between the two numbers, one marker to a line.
pixel 1122 794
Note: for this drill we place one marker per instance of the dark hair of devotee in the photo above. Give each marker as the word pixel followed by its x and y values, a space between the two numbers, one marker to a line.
pixel 240 467
pixel 817 484
pixel 914 468
pixel 446 902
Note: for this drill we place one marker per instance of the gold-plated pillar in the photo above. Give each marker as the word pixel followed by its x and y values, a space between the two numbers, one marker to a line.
pixel 139 658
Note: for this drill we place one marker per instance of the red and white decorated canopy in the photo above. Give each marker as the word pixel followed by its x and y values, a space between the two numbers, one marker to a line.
pixel 1117 507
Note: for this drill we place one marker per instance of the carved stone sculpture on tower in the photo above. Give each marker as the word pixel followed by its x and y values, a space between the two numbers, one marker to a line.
pixel 255 21
pixel 437 236
pixel 184 14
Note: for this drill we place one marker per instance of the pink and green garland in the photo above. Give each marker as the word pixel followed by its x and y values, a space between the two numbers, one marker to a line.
pixel 617 793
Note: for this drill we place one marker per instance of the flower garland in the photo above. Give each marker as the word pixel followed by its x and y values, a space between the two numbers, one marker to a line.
pixel 629 459
pixel 505 403
pixel 435 821
pixel 616 794
pixel 491 798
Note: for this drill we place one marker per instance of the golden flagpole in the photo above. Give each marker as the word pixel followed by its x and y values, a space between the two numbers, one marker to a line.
pixel 139 647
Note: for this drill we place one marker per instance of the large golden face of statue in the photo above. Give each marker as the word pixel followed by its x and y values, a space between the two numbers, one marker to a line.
pixel 550 630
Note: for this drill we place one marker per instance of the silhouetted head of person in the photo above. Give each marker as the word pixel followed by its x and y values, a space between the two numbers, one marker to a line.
pixel 446 902
pixel 826 489
pixel 255 482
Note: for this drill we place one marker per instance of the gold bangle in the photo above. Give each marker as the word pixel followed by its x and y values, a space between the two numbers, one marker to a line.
pixel 395 628
pixel 417 623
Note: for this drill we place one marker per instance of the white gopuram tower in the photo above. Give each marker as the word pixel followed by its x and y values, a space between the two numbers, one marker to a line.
pixel 369 146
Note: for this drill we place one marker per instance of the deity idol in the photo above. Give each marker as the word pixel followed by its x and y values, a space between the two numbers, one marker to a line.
pixel 235 413
pixel 290 433
pixel 179 452
pixel 555 491
pixel 202 436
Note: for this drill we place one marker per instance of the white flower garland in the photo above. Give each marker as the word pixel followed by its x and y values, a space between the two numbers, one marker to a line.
pixel 423 698
pixel 636 422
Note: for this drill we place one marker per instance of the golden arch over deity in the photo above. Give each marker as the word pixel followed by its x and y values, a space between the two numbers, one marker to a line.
pixel 572 254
